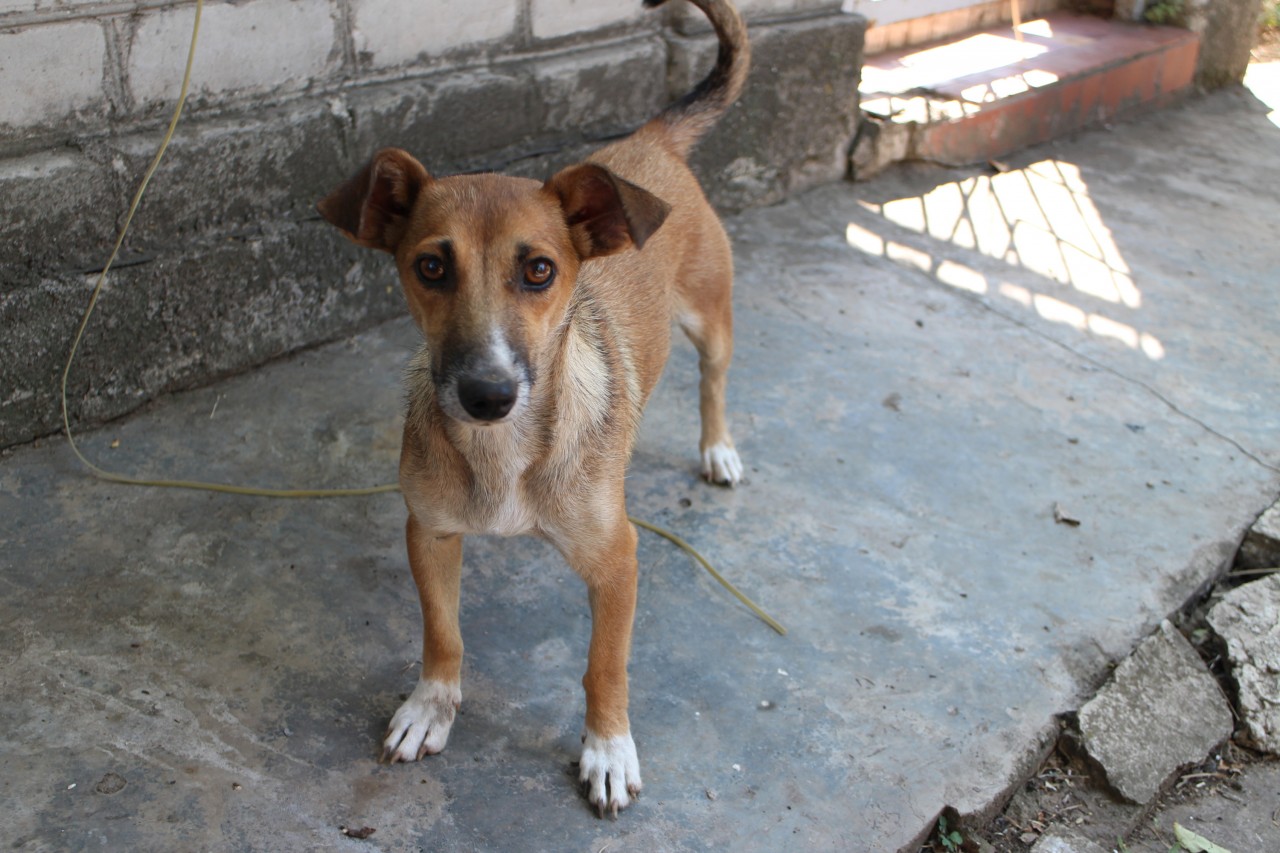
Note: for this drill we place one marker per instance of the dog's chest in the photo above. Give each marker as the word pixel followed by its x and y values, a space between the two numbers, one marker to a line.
pixel 504 511
pixel 496 499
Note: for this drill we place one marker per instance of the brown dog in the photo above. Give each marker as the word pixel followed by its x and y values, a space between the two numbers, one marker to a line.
pixel 546 310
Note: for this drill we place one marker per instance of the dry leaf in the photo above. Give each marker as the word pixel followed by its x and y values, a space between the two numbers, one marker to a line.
pixel 1062 517
pixel 1195 843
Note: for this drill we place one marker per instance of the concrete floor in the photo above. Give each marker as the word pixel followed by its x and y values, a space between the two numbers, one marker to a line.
pixel 927 364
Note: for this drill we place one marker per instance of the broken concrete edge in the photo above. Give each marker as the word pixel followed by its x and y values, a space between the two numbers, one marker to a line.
pixel 880 143
pixel 967 821
pixel 240 271
pixel 1062 734
pixel 1161 711
pixel 1246 620
pixel 1260 549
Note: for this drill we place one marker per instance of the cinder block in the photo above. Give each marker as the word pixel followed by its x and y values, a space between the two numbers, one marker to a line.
pixel 556 18
pixel 49 71
pixel 224 176
pixel 274 45
pixel 395 32
pixel 544 164
pixel 796 120
pixel 754 8
pixel 456 121
pixel 689 20
pixel 200 309
pixel 37 321
pixel 59 215
pixel 594 93
pixel 25 10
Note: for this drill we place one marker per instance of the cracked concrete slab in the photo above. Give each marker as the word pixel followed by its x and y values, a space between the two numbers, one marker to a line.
pixel 189 670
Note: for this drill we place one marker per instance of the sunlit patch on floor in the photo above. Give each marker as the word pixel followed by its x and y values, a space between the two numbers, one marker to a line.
pixel 1039 218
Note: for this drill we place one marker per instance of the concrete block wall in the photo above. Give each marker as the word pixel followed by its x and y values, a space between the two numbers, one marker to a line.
pixel 943 25
pixel 227 265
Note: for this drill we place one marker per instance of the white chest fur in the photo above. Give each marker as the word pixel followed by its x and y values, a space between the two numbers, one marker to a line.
pixel 497 502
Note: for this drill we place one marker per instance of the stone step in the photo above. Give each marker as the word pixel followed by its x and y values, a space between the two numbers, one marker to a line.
pixel 985 94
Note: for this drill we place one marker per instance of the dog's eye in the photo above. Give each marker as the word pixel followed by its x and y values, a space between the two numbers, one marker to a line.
pixel 430 269
pixel 538 273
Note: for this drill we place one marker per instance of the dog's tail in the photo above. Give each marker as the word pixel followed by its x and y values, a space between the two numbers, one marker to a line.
pixel 689 118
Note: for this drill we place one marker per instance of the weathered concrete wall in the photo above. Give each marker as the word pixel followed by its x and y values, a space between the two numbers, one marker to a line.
pixel 226 265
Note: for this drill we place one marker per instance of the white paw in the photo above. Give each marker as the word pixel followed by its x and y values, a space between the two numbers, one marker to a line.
pixel 610 771
pixel 421 725
pixel 720 464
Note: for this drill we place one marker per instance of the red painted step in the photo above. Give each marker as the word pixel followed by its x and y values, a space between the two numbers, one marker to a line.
pixel 984 94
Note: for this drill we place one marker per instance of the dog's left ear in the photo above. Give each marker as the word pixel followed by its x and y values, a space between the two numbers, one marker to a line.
pixel 373 207
pixel 605 214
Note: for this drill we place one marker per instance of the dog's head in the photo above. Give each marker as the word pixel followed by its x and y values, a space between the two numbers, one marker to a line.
pixel 488 263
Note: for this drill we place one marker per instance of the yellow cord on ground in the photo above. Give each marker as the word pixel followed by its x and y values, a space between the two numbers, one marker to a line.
pixel 676 540
pixel 249 490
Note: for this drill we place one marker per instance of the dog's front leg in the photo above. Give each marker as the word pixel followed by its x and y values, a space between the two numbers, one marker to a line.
pixel 609 768
pixel 421 725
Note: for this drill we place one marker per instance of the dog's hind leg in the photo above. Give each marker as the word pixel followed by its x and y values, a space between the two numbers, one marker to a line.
pixel 706 316
pixel 421 725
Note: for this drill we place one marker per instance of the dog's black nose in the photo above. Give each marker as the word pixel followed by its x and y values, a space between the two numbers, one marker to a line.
pixel 487 399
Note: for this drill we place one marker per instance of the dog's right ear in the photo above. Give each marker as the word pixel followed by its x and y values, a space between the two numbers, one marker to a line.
pixel 373 208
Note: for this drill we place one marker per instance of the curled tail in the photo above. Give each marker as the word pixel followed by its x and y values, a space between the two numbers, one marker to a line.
pixel 689 118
